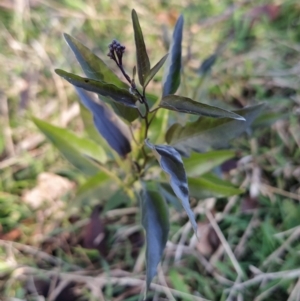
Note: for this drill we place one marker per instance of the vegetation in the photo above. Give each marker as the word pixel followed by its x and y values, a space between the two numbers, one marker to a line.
pixel 83 230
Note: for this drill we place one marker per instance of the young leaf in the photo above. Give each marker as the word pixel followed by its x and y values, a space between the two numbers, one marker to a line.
pixel 143 63
pixel 207 133
pixel 171 163
pixel 171 79
pixel 187 105
pixel 95 68
pixel 72 147
pixel 112 129
pixel 210 185
pixel 155 220
pixel 117 94
pixel 154 70
pixel 198 164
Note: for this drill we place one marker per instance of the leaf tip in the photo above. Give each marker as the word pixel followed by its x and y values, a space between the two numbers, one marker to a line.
pixel 238 117
pixel 133 13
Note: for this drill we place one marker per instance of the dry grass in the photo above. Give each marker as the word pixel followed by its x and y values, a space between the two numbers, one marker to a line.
pixel 255 253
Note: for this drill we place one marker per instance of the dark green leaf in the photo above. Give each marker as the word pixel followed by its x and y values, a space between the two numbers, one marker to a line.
pixel 92 65
pixel 207 64
pixel 117 94
pixel 155 220
pixel 154 70
pixel 171 163
pixel 74 148
pixel 143 63
pixel 207 133
pixel 166 191
pixel 210 185
pixel 95 68
pixel 112 129
pixel 198 164
pixel 187 105
pixel 171 79
pixel 128 114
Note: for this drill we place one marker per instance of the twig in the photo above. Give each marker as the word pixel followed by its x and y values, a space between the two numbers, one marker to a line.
pixel 231 294
pixel 102 280
pixel 290 274
pixel 279 191
pixel 7 133
pixel 186 229
pixel 267 292
pixel 202 260
pixel 163 282
pixel 58 82
pixel 224 16
pixel 286 233
pixel 295 294
pixel 121 212
pixel 37 253
pixel 240 248
pixel 57 289
pixel 225 244
pixel 278 252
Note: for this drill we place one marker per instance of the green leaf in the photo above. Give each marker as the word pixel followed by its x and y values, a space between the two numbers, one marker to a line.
pixel 198 164
pixel 117 94
pixel 207 133
pixel 187 105
pixel 171 79
pixel 206 186
pixel 143 63
pixel 89 126
pixel 268 118
pixel 120 198
pixel 154 70
pixel 97 187
pixel 95 68
pixel 171 163
pixel 72 147
pixel 158 127
pixel 155 220
pixel 210 185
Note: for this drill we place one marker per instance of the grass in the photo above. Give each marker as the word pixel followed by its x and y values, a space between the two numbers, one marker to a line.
pixel 250 247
